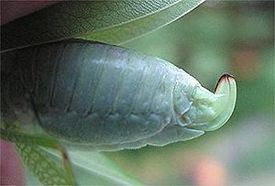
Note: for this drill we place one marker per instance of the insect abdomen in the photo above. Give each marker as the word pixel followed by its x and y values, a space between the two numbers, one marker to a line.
pixel 96 93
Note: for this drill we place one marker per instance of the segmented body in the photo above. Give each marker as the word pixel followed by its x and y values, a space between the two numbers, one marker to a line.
pixel 94 93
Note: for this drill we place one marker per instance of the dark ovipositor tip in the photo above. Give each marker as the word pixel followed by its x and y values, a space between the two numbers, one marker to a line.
pixel 224 77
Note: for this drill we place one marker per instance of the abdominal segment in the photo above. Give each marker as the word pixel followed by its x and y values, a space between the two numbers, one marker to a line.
pixel 95 93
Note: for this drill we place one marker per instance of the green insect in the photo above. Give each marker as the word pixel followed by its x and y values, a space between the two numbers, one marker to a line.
pixel 109 98
pixel 91 95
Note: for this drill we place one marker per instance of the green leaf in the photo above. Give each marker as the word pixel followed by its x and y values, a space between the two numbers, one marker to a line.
pixel 20 137
pixel 94 168
pixel 105 21
pixel 28 146
pixel 89 167
pixel 135 28
pixel 41 164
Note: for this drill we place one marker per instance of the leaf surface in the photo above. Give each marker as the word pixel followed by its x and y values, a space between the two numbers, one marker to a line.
pixel 93 167
pixel 48 171
pixel 89 167
pixel 106 21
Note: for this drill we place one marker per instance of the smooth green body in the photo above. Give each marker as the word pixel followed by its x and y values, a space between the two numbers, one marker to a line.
pixel 103 96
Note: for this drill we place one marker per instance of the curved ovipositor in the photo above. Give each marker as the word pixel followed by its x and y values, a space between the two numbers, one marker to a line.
pixel 108 97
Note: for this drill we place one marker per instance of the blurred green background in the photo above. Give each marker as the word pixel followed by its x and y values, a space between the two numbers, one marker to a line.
pixel 227 36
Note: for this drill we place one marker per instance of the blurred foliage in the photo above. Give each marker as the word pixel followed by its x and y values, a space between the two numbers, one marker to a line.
pixel 229 36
